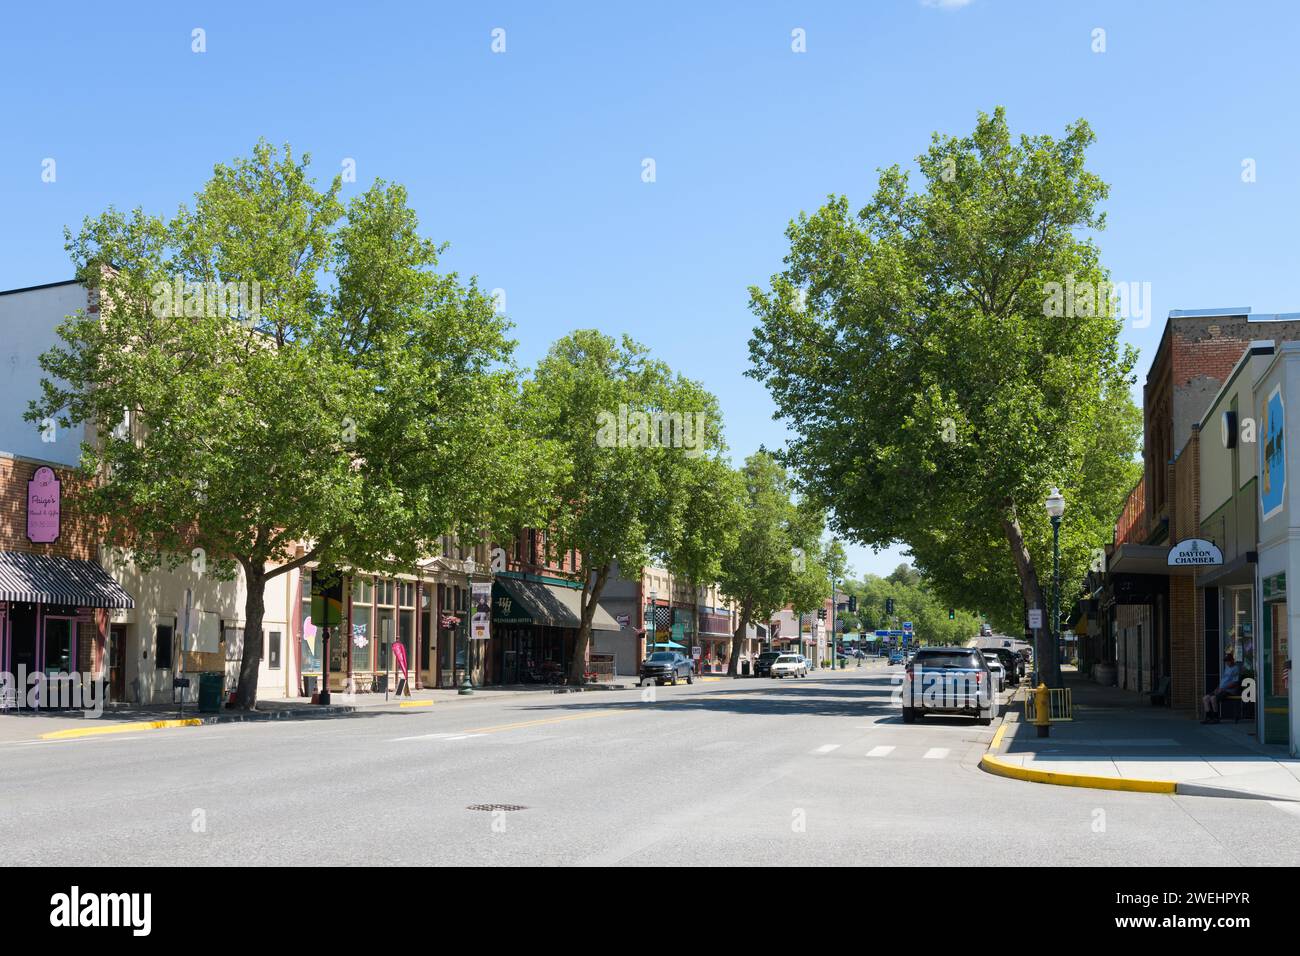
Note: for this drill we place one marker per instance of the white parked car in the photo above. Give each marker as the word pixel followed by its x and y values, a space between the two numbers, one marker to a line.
pixel 789 665
pixel 999 672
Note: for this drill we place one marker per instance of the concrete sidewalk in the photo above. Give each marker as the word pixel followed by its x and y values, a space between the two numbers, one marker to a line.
pixel 1118 741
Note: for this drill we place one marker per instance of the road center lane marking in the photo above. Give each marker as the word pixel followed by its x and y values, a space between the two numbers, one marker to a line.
pixel 499 728
pixel 936 753
pixel 881 751
pixel 826 748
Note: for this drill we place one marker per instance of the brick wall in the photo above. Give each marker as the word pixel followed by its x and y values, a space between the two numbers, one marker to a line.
pixel 76 538
pixel 1185 630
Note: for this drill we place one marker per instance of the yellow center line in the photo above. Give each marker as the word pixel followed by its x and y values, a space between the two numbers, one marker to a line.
pixel 537 723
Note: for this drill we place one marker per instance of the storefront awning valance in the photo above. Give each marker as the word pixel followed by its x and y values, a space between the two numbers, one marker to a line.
pixel 516 601
pixel 44 579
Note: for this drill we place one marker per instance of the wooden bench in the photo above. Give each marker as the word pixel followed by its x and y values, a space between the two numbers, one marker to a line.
pixel 1239 711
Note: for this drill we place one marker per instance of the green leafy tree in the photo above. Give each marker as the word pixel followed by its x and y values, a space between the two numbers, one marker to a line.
pixel 626 487
pixel 706 521
pixel 300 384
pixel 937 378
pixel 774 560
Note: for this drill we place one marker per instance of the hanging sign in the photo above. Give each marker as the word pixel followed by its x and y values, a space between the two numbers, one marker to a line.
pixel 1194 552
pixel 480 628
pixel 44 494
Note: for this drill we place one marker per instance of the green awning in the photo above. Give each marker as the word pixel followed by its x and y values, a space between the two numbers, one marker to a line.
pixel 520 602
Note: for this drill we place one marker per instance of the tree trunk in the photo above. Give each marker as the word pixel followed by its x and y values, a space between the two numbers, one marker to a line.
pixel 1045 648
pixel 591 591
pixel 738 637
pixel 254 611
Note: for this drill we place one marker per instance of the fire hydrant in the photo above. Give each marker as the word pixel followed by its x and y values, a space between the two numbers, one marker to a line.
pixel 1042 710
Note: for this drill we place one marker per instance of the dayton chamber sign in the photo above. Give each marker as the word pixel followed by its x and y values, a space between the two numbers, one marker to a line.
pixel 1195 552
pixel 44 494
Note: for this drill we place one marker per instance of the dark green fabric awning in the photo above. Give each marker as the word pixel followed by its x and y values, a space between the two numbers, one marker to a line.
pixel 519 602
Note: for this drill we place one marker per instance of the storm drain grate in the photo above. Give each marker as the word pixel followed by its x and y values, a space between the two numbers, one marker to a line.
pixel 495 806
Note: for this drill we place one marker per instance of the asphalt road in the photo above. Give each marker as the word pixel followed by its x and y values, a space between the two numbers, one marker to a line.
pixel 814 771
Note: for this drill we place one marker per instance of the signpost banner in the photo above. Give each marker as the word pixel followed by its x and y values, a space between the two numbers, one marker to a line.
pixel 44 497
pixel 480 628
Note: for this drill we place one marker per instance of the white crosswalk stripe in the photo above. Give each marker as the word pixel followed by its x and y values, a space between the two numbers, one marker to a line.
pixel 936 753
pixel 881 751
pixel 826 748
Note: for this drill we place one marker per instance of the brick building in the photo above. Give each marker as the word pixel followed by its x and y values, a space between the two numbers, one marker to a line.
pixel 1154 621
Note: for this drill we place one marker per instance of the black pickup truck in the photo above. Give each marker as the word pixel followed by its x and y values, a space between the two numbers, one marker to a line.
pixel 667 667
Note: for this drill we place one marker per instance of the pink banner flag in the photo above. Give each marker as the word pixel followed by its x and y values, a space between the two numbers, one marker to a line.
pixel 399 655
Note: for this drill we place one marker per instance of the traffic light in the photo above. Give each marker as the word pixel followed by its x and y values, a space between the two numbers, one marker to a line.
pixel 952 614
pixel 853 604
pixel 821 614
pixel 889 606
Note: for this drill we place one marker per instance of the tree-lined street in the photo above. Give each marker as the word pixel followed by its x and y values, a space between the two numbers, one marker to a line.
pixel 816 771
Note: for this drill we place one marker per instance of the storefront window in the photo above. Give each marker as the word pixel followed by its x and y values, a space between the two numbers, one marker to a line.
pixel 362 632
pixel 310 645
pixel 58 645
pixel 1280 651
pixel 1239 620
pixel 406 634
pixel 383 637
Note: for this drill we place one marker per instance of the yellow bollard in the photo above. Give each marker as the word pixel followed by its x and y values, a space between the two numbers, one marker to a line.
pixel 1042 709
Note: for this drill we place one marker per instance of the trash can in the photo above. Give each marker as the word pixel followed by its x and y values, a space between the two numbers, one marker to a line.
pixel 310 685
pixel 210 686
pixel 381 683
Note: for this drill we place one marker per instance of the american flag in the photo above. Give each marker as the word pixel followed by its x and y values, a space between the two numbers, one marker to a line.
pixel 663 618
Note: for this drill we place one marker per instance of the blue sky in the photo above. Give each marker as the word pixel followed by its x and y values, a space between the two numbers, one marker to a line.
pixel 529 162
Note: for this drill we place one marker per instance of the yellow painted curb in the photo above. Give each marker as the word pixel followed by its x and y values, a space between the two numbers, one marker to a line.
pixel 1002 768
pixel 997 738
pixel 708 679
pixel 121 728
pixel 416 703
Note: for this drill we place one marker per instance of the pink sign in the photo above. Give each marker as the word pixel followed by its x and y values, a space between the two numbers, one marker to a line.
pixel 43 499
pixel 399 655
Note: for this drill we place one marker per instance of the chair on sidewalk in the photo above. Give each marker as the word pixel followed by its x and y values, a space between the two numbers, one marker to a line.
pixel 1160 696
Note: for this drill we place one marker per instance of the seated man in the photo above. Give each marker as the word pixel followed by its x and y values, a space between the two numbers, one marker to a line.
pixel 1229 683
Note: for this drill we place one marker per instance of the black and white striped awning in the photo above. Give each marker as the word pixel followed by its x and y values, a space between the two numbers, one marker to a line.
pixel 42 579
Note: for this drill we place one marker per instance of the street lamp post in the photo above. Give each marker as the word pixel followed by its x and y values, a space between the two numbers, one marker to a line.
pixel 467 681
pixel 1055 505
pixel 653 629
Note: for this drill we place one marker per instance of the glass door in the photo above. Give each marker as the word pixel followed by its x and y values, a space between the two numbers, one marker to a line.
pixel 58 656
pixel 1273 692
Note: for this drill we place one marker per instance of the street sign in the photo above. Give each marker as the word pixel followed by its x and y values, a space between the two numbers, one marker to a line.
pixel 907 625
pixel 1035 618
